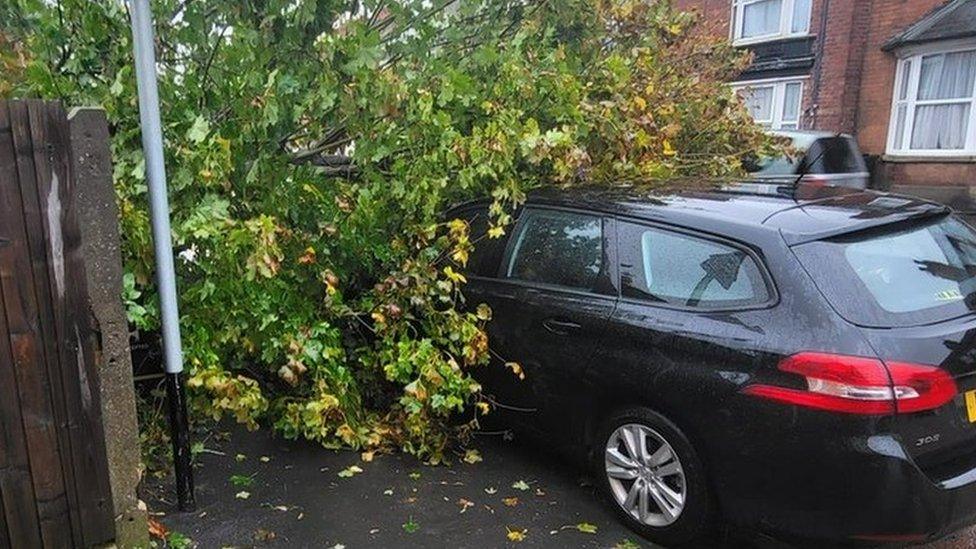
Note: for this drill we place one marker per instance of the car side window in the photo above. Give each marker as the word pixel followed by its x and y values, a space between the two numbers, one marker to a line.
pixel 557 248
pixel 483 259
pixel 687 271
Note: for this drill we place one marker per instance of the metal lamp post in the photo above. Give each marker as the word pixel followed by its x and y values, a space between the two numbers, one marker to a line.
pixel 152 146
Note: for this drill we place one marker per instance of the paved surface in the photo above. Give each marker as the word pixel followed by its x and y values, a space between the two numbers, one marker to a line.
pixel 297 499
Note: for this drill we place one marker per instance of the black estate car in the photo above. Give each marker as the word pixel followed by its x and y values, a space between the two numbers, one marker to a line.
pixel 800 365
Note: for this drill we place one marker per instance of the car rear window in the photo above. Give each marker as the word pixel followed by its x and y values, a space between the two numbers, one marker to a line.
pixel 824 155
pixel 834 155
pixel 912 275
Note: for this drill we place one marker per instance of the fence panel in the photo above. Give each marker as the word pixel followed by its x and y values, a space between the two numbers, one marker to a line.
pixel 54 485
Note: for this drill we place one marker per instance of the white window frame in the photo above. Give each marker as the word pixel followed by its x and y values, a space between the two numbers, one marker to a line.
pixel 785 23
pixel 914 55
pixel 779 99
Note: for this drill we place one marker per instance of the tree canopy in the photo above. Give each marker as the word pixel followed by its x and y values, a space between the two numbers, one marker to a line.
pixel 312 145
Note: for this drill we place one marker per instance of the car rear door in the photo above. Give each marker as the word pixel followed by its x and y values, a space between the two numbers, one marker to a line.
pixel 689 326
pixel 551 300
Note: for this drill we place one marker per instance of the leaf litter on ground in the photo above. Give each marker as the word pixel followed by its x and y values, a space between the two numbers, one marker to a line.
pixel 516 535
pixel 350 471
pixel 242 481
pixel 582 527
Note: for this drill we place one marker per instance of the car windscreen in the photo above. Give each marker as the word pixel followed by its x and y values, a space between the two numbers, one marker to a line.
pixel 910 275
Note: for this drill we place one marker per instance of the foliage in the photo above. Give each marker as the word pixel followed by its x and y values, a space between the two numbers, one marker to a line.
pixel 311 145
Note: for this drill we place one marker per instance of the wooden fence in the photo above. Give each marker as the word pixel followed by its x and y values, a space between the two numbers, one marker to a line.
pixel 54 482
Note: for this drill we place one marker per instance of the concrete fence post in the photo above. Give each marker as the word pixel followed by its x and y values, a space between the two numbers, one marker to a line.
pixel 98 215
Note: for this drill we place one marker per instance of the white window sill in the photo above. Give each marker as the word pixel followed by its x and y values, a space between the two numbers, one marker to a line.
pixel 767 38
pixel 922 158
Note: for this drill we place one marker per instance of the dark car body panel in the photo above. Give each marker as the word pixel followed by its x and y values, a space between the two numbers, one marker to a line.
pixel 784 469
pixel 942 442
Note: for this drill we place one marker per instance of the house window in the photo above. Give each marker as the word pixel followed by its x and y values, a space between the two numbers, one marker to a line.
pixel 773 103
pixel 761 20
pixel 933 112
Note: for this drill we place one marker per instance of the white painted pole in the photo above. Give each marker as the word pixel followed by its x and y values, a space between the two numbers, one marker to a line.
pixel 152 146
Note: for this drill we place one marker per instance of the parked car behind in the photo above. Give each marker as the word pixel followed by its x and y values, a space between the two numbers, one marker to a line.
pixel 802 366
pixel 822 157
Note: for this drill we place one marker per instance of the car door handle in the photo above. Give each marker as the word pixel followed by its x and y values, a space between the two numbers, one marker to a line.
pixel 561 327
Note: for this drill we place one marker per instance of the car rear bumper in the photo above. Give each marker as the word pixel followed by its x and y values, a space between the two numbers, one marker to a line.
pixel 853 489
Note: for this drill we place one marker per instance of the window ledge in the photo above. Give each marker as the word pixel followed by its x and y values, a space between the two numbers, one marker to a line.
pixel 738 42
pixel 923 159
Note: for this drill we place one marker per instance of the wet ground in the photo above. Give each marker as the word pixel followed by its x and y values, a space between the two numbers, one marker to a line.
pixel 257 490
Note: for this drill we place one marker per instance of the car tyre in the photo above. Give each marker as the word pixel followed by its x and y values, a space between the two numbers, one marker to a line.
pixel 662 494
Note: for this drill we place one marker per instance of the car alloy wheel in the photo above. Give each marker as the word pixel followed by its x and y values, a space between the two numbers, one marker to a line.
pixel 645 475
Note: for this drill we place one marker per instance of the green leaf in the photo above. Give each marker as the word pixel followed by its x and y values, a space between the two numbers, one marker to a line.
pixel 176 540
pixel 199 130
pixel 241 481
pixel 586 528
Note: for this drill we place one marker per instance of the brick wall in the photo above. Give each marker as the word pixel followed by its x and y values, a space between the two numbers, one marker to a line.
pixel 715 14
pixel 888 17
pixel 837 73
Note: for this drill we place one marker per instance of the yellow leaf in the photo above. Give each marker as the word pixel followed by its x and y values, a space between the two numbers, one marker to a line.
pixel 350 471
pixel 453 275
pixel 457 226
pixel 674 28
pixel 640 103
pixel 460 255
pixel 516 369
pixel 516 535
pixel 510 502
pixel 668 149
pixel 472 456
pixel 496 232
pixel 483 312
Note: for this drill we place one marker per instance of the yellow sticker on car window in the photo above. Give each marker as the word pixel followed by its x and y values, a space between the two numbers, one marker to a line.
pixel 949 295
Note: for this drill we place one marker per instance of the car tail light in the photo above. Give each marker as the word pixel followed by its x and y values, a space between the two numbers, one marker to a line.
pixel 858 385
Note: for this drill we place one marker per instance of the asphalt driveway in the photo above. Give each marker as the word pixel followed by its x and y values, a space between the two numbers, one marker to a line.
pixel 297 498
pixel 257 490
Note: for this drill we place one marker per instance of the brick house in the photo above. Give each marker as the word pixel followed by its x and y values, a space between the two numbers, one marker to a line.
pixel 899 75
